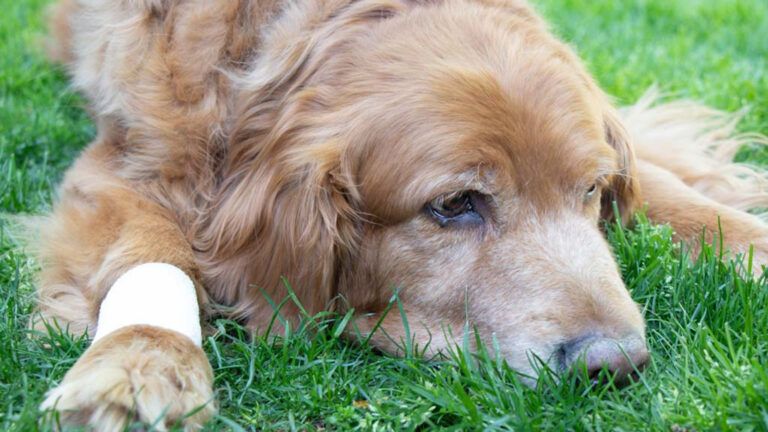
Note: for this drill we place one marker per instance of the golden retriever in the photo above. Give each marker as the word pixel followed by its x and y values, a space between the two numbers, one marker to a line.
pixel 454 149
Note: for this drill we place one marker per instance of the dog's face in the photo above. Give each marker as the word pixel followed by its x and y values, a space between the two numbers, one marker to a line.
pixel 481 161
pixel 472 158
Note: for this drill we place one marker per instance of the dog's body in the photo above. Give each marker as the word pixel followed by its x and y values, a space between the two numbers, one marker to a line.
pixel 451 148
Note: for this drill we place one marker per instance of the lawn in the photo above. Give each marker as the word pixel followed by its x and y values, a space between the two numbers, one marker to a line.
pixel 707 327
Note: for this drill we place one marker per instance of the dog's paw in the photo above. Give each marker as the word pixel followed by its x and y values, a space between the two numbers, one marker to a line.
pixel 136 374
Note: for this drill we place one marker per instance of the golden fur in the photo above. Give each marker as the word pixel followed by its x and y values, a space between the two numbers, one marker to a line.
pixel 249 140
pixel 111 383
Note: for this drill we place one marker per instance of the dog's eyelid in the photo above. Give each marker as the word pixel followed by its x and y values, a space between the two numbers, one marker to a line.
pixel 592 190
pixel 600 181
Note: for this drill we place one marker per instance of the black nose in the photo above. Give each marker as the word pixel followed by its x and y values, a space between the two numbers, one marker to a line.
pixel 622 358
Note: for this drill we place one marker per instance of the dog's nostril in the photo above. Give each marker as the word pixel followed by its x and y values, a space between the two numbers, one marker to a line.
pixel 622 359
pixel 593 373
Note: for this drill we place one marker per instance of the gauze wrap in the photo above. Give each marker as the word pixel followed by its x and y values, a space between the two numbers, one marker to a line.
pixel 154 294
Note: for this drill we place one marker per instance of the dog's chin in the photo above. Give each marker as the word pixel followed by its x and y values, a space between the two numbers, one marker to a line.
pixel 438 342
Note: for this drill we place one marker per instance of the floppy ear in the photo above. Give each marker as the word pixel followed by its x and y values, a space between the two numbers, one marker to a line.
pixel 284 209
pixel 285 205
pixel 624 189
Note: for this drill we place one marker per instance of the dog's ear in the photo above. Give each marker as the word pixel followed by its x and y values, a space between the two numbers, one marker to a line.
pixel 624 189
pixel 284 209
pixel 285 204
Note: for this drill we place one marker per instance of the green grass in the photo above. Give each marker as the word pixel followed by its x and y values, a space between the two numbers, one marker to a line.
pixel 707 327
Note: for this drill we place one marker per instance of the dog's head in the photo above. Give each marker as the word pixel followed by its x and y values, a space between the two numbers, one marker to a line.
pixel 456 153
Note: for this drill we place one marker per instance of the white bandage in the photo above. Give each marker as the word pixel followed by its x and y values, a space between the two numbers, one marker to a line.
pixel 154 294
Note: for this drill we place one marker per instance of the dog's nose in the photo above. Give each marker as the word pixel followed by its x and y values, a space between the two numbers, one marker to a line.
pixel 622 358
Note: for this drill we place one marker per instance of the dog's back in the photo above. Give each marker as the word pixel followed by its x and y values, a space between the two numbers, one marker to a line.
pixel 156 74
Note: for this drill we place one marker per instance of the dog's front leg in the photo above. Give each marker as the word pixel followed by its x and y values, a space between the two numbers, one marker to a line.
pixel 146 361
pixel 115 263
pixel 690 213
pixel 138 373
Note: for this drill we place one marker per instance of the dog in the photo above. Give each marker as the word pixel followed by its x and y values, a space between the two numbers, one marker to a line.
pixel 452 151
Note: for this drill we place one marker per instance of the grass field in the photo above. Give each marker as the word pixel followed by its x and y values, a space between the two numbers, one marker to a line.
pixel 707 327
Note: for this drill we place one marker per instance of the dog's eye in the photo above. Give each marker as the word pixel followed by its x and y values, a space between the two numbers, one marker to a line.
pixel 591 192
pixel 451 207
pixel 455 208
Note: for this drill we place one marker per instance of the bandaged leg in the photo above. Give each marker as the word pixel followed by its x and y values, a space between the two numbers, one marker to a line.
pixel 154 294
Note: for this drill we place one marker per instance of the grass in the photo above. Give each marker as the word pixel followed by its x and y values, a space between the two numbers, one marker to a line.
pixel 707 327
